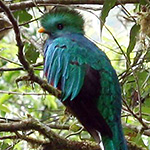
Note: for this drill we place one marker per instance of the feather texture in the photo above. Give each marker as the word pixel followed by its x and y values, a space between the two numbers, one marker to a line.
pixel 84 74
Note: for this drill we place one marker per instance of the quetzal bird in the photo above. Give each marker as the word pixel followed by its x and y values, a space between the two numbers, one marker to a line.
pixel 84 74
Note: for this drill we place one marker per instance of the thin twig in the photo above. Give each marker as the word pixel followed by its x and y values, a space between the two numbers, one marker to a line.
pixel 30 3
pixel 137 129
pixel 21 68
pixel 22 24
pixel 10 61
pixel 17 69
pixel 31 140
pixel 19 93
pixel 74 133
pixel 135 116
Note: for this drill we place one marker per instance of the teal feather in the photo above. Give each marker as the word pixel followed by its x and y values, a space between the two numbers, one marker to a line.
pixel 52 71
pixel 49 59
pixel 63 68
pixel 69 85
pixel 79 82
pixel 58 72
pixel 84 74
pixel 66 69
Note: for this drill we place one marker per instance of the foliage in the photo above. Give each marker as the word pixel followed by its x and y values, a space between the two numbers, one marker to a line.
pixel 22 98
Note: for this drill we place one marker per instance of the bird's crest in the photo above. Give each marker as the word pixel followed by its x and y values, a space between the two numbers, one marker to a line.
pixel 64 14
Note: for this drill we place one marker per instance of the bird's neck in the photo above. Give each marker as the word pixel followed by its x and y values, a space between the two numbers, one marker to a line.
pixel 53 37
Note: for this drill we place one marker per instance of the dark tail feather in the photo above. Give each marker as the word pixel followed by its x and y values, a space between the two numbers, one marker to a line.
pixel 95 134
pixel 107 142
pixel 118 141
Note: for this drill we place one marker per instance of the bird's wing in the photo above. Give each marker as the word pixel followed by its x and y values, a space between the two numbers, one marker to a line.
pixel 68 65
pixel 65 66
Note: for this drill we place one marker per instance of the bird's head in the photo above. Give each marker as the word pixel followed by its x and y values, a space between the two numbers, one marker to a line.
pixel 62 21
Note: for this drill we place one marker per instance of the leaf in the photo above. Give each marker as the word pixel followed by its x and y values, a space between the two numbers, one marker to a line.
pixel 4 145
pixel 108 4
pixel 50 102
pixel 138 140
pixel 146 106
pixel 11 76
pixel 4 108
pixel 133 33
pixel 144 2
pixel 4 98
pixel 22 16
pixel 31 53
pixel 147 57
pixel 75 127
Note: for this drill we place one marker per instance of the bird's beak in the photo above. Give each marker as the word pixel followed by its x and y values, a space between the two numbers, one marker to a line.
pixel 41 30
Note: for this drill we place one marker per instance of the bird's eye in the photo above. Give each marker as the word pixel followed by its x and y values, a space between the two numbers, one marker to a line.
pixel 60 26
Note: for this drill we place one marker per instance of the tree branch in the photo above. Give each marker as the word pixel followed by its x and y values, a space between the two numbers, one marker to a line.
pixel 20 68
pixel 30 4
pixel 20 93
pixel 5 59
pixel 55 142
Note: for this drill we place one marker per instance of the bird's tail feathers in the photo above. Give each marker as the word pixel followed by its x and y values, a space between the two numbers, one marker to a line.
pixel 117 142
pixel 105 143
pixel 95 134
pixel 108 143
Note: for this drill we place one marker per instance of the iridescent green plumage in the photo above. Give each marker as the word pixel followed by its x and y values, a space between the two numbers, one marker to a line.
pixel 89 84
pixel 69 18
